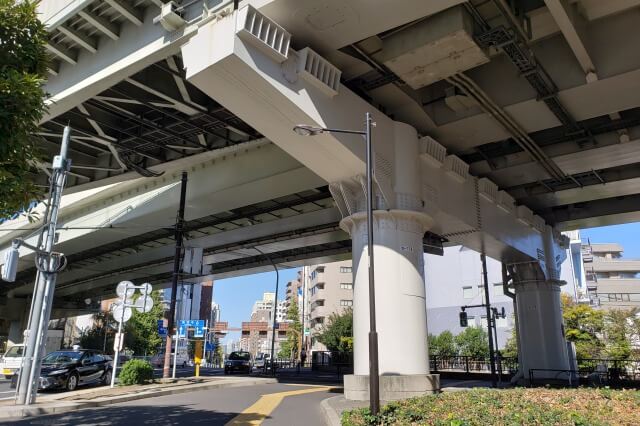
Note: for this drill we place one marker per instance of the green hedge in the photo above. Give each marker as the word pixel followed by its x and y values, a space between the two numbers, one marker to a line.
pixel 135 372
pixel 485 407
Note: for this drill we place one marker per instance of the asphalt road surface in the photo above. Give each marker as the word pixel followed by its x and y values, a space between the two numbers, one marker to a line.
pixel 269 404
pixel 7 393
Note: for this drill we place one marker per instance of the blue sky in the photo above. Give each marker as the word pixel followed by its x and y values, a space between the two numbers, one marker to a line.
pixel 628 235
pixel 236 295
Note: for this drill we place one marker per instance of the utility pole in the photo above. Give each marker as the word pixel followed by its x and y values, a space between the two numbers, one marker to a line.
pixel 48 265
pixel 176 274
pixel 487 302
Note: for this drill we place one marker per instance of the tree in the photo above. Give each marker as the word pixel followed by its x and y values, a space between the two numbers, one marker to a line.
pixel 473 342
pixel 510 349
pixel 141 331
pixel 618 332
pixel 443 344
pixel 102 334
pixel 23 64
pixel 583 326
pixel 337 333
pixel 289 348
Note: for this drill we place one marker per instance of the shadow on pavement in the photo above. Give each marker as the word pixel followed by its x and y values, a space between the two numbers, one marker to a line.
pixel 137 415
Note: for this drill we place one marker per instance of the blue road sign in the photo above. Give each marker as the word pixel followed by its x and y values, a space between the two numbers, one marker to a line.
pixel 162 330
pixel 211 347
pixel 197 325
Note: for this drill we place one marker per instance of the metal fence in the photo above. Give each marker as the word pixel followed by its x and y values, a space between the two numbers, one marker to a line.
pixel 468 364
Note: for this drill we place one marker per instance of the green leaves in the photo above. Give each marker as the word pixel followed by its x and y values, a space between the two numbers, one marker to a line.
pixel 566 407
pixel 334 332
pixel 135 372
pixel 23 65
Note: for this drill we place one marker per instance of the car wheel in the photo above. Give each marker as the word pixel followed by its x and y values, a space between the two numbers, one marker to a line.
pixel 106 378
pixel 72 382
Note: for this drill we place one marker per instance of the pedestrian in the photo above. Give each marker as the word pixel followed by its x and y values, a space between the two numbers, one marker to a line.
pixel 303 357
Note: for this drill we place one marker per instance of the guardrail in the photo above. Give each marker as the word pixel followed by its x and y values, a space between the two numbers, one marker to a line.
pixel 468 364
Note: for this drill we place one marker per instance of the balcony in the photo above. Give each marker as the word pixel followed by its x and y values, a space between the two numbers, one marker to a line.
pixel 317 292
pixel 319 311
pixel 613 265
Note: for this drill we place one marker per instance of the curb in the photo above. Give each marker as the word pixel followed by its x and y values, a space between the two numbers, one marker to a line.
pixel 331 416
pixel 66 406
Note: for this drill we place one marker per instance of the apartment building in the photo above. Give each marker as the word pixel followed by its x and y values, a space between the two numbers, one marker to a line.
pixel 612 280
pixel 330 290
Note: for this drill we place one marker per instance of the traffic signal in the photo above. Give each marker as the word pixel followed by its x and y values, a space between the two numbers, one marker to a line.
pixel 463 319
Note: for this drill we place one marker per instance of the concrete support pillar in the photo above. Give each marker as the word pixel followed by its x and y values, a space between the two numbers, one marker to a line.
pixel 399 285
pixel 542 345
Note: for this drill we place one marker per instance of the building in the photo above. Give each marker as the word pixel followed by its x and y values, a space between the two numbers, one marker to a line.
pixel 282 311
pixel 330 291
pixel 612 281
pixel 266 303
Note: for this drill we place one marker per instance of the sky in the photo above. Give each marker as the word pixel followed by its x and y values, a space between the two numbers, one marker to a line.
pixel 237 295
pixel 627 235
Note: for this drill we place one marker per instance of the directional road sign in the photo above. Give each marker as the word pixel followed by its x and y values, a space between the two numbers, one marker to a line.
pixel 197 325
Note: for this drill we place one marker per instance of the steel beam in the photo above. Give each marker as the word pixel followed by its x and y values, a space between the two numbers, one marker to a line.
pixel 101 24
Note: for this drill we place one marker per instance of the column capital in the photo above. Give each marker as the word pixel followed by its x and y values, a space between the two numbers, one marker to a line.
pixel 403 220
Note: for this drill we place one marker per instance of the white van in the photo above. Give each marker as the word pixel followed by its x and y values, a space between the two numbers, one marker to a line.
pixel 182 358
pixel 12 360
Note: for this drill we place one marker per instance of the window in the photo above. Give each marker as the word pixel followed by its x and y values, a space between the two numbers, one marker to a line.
pixel 468 293
pixel 345 269
pixel 346 286
pixel 346 302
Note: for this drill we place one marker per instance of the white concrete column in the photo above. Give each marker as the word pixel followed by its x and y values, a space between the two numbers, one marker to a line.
pixel 540 324
pixel 400 292
pixel 401 317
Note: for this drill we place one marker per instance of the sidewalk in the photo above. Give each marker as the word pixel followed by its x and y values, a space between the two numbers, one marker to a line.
pixel 61 402
pixel 333 407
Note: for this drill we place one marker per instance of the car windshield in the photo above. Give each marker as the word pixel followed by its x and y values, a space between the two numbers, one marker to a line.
pixel 240 356
pixel 14 352
pixel 61 357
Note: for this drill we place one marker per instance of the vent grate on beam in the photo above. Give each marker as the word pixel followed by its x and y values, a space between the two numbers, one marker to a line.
pixel 432 152
pixel 263 33
pixel 319 72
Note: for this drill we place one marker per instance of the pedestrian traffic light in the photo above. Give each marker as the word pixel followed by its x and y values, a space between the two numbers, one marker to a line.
pixel 463 319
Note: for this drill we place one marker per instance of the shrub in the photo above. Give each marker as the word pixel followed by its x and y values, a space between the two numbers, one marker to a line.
pixel 136 372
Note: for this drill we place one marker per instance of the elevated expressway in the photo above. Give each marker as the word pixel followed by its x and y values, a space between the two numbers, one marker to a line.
pixel 496 128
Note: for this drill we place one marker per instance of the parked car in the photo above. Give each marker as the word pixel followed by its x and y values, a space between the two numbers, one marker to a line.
pixel 12 360
pixel 182 359
pixel 261 360
pixel 238 361
pixel 67 369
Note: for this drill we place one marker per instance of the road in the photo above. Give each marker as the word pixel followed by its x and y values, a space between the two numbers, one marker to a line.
pixel 269 404
pixel 7 393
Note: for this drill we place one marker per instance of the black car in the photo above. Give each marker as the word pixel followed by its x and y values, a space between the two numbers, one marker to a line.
pixel 66 369
pixel 238 361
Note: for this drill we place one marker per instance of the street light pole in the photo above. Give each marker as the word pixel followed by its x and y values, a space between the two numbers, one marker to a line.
pixel 374 377
pixel 492 359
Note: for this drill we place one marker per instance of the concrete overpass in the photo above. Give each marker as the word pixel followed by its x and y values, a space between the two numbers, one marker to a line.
pixel 497 127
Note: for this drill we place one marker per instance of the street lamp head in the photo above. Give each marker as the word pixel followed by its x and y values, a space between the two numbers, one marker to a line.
pixel 306 130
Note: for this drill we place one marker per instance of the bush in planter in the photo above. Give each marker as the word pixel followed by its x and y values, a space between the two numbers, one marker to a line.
pixel 136 372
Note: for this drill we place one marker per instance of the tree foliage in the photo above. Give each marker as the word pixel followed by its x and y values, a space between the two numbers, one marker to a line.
pixel 22 70
pixel 141 331
pixel 583 326
pixel 337 333
pixel 102 334
pixel 289 348
pixel 442 344
pixel 473 342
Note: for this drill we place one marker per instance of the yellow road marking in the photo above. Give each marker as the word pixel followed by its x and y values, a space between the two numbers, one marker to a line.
pixel 263 407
